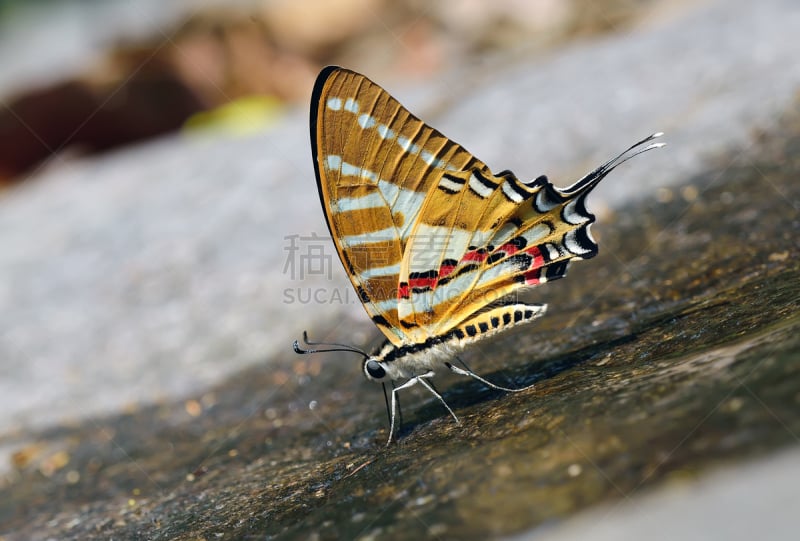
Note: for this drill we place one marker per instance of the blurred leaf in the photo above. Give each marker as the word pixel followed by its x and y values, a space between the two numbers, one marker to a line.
pixel 241 117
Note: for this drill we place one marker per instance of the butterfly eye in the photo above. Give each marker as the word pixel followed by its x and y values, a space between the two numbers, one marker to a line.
pixel 374 369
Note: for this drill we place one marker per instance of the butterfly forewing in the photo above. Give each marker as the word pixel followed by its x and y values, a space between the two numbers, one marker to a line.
pixel 376 164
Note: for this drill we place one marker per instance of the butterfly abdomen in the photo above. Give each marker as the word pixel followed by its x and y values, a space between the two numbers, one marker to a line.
pixel 411 359
pixel 495 320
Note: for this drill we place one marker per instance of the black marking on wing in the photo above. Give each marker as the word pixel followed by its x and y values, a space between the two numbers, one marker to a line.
pixel 423 275
pixel 586 243
pixel 483 179
pixel 454 180
pixel 463 270
pixel 556 270
pixel 519 242
pixel 524 194
pixel 497 256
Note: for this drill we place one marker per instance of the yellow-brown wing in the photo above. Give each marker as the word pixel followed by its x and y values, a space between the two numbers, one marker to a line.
pixel 375 164
pixel 429 236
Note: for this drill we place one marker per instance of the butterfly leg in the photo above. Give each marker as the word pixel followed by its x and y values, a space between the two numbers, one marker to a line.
pixel 393 415
pixel 470 373
pixel 437 395
pixel 410 383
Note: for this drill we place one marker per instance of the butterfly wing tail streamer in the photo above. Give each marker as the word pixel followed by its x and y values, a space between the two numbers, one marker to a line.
pixel 578 241
pixel 555 228
pixel 588 182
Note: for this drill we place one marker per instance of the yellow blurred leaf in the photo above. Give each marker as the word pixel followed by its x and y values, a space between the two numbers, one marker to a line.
pixel 243 116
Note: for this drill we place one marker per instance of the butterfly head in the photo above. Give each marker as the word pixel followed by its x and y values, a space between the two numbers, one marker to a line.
pixel 381 365
pixel 374 369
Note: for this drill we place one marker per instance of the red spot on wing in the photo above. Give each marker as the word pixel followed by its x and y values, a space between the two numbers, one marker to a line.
pixel 475 256
pixel 533 273
pixel 532 277
pixel 538 258
pixel 446 270
pixel 420 283
pixel 402 291
pixel 508 248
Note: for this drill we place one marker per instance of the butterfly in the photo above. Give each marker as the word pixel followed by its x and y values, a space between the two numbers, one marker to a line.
pixel 433 241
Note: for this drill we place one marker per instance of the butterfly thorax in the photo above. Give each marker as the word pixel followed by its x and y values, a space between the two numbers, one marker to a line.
pixel 390 362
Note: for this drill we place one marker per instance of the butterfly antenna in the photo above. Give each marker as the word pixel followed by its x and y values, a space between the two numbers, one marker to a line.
pixel 331 347
pixel 590 180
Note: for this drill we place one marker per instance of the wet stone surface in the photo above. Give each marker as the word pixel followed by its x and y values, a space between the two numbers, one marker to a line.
pixel 675 351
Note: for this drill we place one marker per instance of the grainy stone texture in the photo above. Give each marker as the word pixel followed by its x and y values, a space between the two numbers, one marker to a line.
pixel 153 280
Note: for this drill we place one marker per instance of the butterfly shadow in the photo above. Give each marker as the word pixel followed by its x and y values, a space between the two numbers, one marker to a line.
pixel 465 393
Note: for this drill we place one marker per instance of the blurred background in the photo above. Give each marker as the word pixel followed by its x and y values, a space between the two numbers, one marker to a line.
pixel 87 76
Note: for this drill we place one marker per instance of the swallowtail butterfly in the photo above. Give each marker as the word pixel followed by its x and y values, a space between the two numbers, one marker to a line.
pixel 433 242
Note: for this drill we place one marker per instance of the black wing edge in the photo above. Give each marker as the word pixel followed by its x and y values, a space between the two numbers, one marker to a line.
pixel 319 84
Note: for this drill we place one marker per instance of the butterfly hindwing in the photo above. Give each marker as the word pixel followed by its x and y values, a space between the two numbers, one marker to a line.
pixel 485 237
